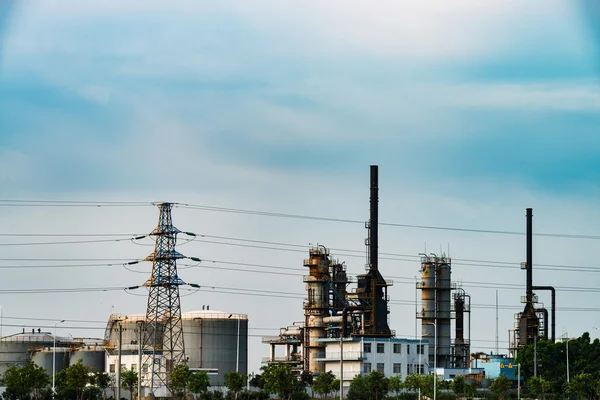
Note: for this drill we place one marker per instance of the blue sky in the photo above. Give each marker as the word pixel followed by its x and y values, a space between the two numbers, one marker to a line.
pixel 473 111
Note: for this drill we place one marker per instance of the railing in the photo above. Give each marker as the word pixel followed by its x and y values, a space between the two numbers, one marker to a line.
pixel 281 359
pixel 348 355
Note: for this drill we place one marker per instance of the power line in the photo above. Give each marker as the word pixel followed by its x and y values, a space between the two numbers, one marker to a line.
pixel 65 203
pixel 328 219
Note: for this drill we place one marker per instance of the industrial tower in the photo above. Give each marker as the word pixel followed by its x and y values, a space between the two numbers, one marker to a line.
pixel 532 323
pixel 163 346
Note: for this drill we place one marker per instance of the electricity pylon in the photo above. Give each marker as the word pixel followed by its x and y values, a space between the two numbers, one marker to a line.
pixel 163 347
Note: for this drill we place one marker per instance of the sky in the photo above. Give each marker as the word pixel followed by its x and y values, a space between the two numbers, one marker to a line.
pixel 473 111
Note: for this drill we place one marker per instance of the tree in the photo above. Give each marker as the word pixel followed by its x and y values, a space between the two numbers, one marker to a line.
pixel 103 381
pixel 500 385
pixel 20 382
pixel 322 383
pixel 358 388
pixel 199 382
pixel 413 382
pixel 279 379
pixel 459 386
pixel 582 386
pixel 538 387
pixel 395 384
pixel 71 382
pixel 179 380
pixel 377 384
pixel 258 381
pixel 335 386
pixel 234 381
pixel 129 380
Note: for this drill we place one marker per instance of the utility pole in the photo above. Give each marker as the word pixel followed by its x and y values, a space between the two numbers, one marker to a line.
pixel 341 365
pixel 140 348
pixel 119 361
pixel 519 381
pixel 535 356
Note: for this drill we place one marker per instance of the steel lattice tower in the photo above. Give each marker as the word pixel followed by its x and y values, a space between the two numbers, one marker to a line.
pixel 163 346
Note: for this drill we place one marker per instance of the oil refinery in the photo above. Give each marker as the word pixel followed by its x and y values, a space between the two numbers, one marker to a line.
pixel 342 326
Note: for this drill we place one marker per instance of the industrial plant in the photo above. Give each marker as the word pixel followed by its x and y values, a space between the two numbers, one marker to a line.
pixel 346 330
pixel 343 326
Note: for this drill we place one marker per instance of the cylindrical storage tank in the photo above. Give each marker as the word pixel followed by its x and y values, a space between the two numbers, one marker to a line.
pixel 11 354
pixel 44 359
pixel 95 359
pixel 217 342
pixel 444 295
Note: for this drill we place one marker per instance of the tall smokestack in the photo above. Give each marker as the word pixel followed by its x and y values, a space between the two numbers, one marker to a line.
pixel 529 256
pixel 374 221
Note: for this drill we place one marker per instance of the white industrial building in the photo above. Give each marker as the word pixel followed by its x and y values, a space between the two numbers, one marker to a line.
pixel 391 356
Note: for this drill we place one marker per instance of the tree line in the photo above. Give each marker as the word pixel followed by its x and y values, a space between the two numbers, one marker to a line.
pixel 548 379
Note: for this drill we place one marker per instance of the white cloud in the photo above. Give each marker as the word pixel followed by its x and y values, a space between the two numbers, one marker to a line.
pixel 548 96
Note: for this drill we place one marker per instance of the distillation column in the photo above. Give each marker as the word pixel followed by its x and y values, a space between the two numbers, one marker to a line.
pixel 316 307
pixel 436 287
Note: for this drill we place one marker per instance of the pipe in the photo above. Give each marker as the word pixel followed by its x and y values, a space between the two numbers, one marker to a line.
pixel 345 318
pixel 374 220
pixel 553 308
pixel 529 257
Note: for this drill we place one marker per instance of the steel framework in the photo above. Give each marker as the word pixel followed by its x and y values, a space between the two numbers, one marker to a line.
pixel 163 347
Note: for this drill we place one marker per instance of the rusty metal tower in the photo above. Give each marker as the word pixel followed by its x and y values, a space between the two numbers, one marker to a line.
pixel 163 346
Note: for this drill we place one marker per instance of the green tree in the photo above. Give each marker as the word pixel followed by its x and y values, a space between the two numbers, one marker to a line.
pixel 199 382
pixel 358 388
pixel 377 384
pixel 103 381
pixel 459 386
pixel 71 382
pixel 395 384
pixel 582 386
pixel 23 381
pixel 335 386
pixel 258 381
pixel 414 382
pixel 279 380
pixel 179 380
pixel 129 380
pixel 234 381
pixel 322 383
pixel 538 387
pixel 500 385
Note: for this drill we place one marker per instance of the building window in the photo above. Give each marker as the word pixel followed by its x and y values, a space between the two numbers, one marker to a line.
pixel 421 369
pixel 421 349
pixel 366 368
pixel 381 347
pixel 145 369
pixel 112 368
pixel 397 348
pixel 397 368
pixel 407 348
pixel 380 367
pixel 367 347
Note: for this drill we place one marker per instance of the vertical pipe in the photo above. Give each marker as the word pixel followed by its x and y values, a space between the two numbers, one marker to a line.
pixel 529 257
pixel 374 220
pixel 497 350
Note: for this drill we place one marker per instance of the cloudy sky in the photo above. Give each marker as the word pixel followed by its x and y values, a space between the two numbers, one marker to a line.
pixel 473 111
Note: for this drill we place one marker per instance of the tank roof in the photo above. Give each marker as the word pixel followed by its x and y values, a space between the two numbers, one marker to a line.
pixel 189 315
